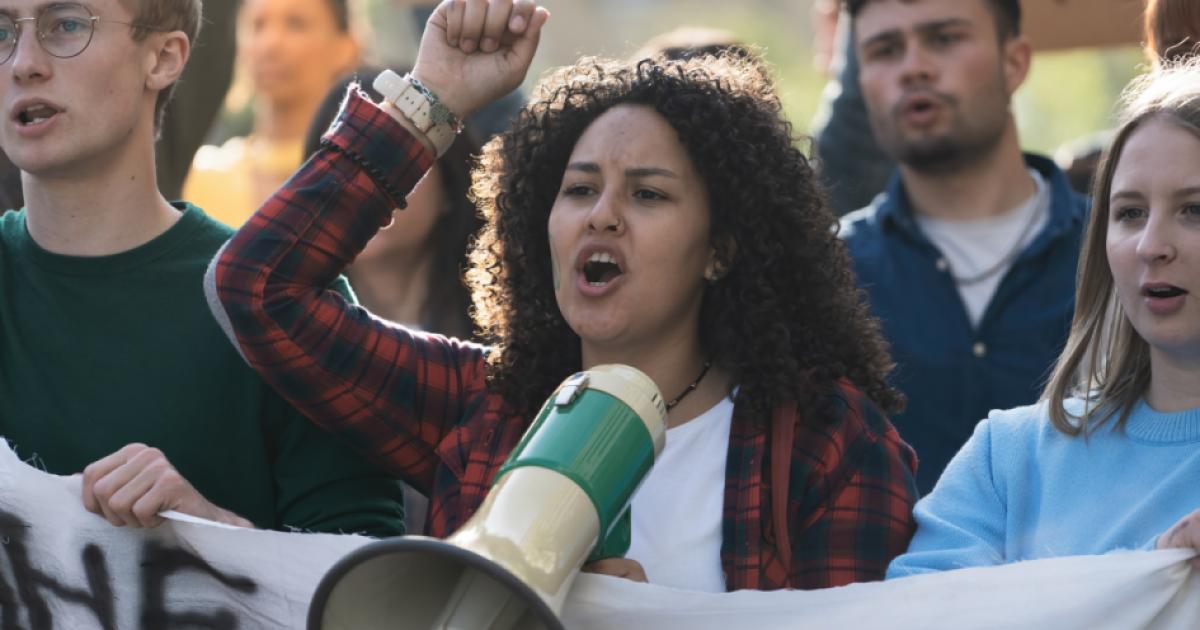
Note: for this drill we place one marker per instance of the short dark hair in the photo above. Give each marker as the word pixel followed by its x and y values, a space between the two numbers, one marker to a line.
pixel 1006 12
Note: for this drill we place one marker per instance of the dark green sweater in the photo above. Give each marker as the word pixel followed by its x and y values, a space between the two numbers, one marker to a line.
pixel 96 353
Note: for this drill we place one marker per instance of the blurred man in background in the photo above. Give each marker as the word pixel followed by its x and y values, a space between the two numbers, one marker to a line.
pixel 969 255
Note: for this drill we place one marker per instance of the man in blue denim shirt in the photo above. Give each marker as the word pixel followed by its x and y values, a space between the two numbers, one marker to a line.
pixel 969 256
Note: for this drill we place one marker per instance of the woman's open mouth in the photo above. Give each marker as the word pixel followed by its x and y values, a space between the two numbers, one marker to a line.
pixel 1164 299
pixel 601 269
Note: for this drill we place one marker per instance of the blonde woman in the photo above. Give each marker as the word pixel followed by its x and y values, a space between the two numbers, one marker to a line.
pixel 1110 458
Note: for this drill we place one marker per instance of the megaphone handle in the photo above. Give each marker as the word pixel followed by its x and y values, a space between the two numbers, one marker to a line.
pixel 616 543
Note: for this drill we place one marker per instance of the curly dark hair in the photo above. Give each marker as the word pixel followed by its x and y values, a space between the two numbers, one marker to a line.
pixel 786 320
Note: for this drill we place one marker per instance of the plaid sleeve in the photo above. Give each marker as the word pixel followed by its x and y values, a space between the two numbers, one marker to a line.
pixel 856 510
pixel 391 392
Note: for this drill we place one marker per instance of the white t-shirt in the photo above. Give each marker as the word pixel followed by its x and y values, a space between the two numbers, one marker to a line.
pixel 677 511
pixel 975 246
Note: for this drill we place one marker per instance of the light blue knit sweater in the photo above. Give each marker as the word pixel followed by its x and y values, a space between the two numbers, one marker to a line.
pixel 1020 490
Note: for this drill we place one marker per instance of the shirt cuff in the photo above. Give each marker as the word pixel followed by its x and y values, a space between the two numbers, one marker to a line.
pixel 380 145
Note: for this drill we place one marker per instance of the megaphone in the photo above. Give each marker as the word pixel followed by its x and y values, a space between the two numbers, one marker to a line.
pixel 561 498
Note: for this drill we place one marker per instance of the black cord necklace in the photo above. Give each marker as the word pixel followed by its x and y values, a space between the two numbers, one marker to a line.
pixel 687 390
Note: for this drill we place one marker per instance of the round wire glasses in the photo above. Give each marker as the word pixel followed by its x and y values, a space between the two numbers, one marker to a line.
pixel 63 30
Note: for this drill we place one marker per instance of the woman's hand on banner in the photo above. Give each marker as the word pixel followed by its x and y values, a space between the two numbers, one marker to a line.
pixel 1183 535
pixel 618 567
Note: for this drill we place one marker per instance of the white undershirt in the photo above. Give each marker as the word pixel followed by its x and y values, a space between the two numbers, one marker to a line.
pixel 677 511
pixel 973 246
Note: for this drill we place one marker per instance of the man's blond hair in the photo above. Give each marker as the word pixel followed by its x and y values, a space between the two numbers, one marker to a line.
pixel 165 16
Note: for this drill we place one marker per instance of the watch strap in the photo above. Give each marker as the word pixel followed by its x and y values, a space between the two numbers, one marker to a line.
pixel 421 107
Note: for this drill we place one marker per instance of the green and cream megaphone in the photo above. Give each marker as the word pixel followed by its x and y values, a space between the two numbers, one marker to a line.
pixel 560 499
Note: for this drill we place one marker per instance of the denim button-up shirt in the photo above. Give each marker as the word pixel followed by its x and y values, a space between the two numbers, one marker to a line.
pixel 952 373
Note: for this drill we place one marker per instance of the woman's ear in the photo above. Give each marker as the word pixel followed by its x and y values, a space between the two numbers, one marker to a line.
pixel 166 59
pixel 723 252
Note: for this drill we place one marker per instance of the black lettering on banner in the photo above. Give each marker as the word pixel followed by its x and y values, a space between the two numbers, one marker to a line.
pixel 97 597
pixel 8 606
pixel 158 563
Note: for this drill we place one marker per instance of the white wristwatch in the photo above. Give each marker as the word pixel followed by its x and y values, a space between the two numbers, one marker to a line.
pixel 421 106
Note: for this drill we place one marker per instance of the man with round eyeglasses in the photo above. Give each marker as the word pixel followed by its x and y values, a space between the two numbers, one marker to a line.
pixel 110 363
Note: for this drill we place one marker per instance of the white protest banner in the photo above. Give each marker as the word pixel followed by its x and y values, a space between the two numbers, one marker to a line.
pixel 1121 591
pixel 64 568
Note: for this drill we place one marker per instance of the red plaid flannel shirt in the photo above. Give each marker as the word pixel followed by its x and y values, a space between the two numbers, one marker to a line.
pixel 419 405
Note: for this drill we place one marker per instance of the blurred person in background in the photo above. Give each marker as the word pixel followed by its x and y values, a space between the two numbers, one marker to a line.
pixel 1079 159
pixel 969 255
pixel 1171 32
pixel 411 271
pixel 1172 29
pixel 198 100
pixel 850 162
pixel 686 42
pixel 826 16
pixel 11 197
pixel 293 52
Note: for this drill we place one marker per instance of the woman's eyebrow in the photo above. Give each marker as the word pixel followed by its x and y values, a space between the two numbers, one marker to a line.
pixel 1127 194
pixel 649 171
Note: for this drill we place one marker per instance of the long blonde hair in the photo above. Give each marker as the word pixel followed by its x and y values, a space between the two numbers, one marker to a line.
pixel 1105 361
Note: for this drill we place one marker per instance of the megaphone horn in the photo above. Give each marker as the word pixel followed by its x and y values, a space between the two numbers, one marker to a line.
pixel 560 498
